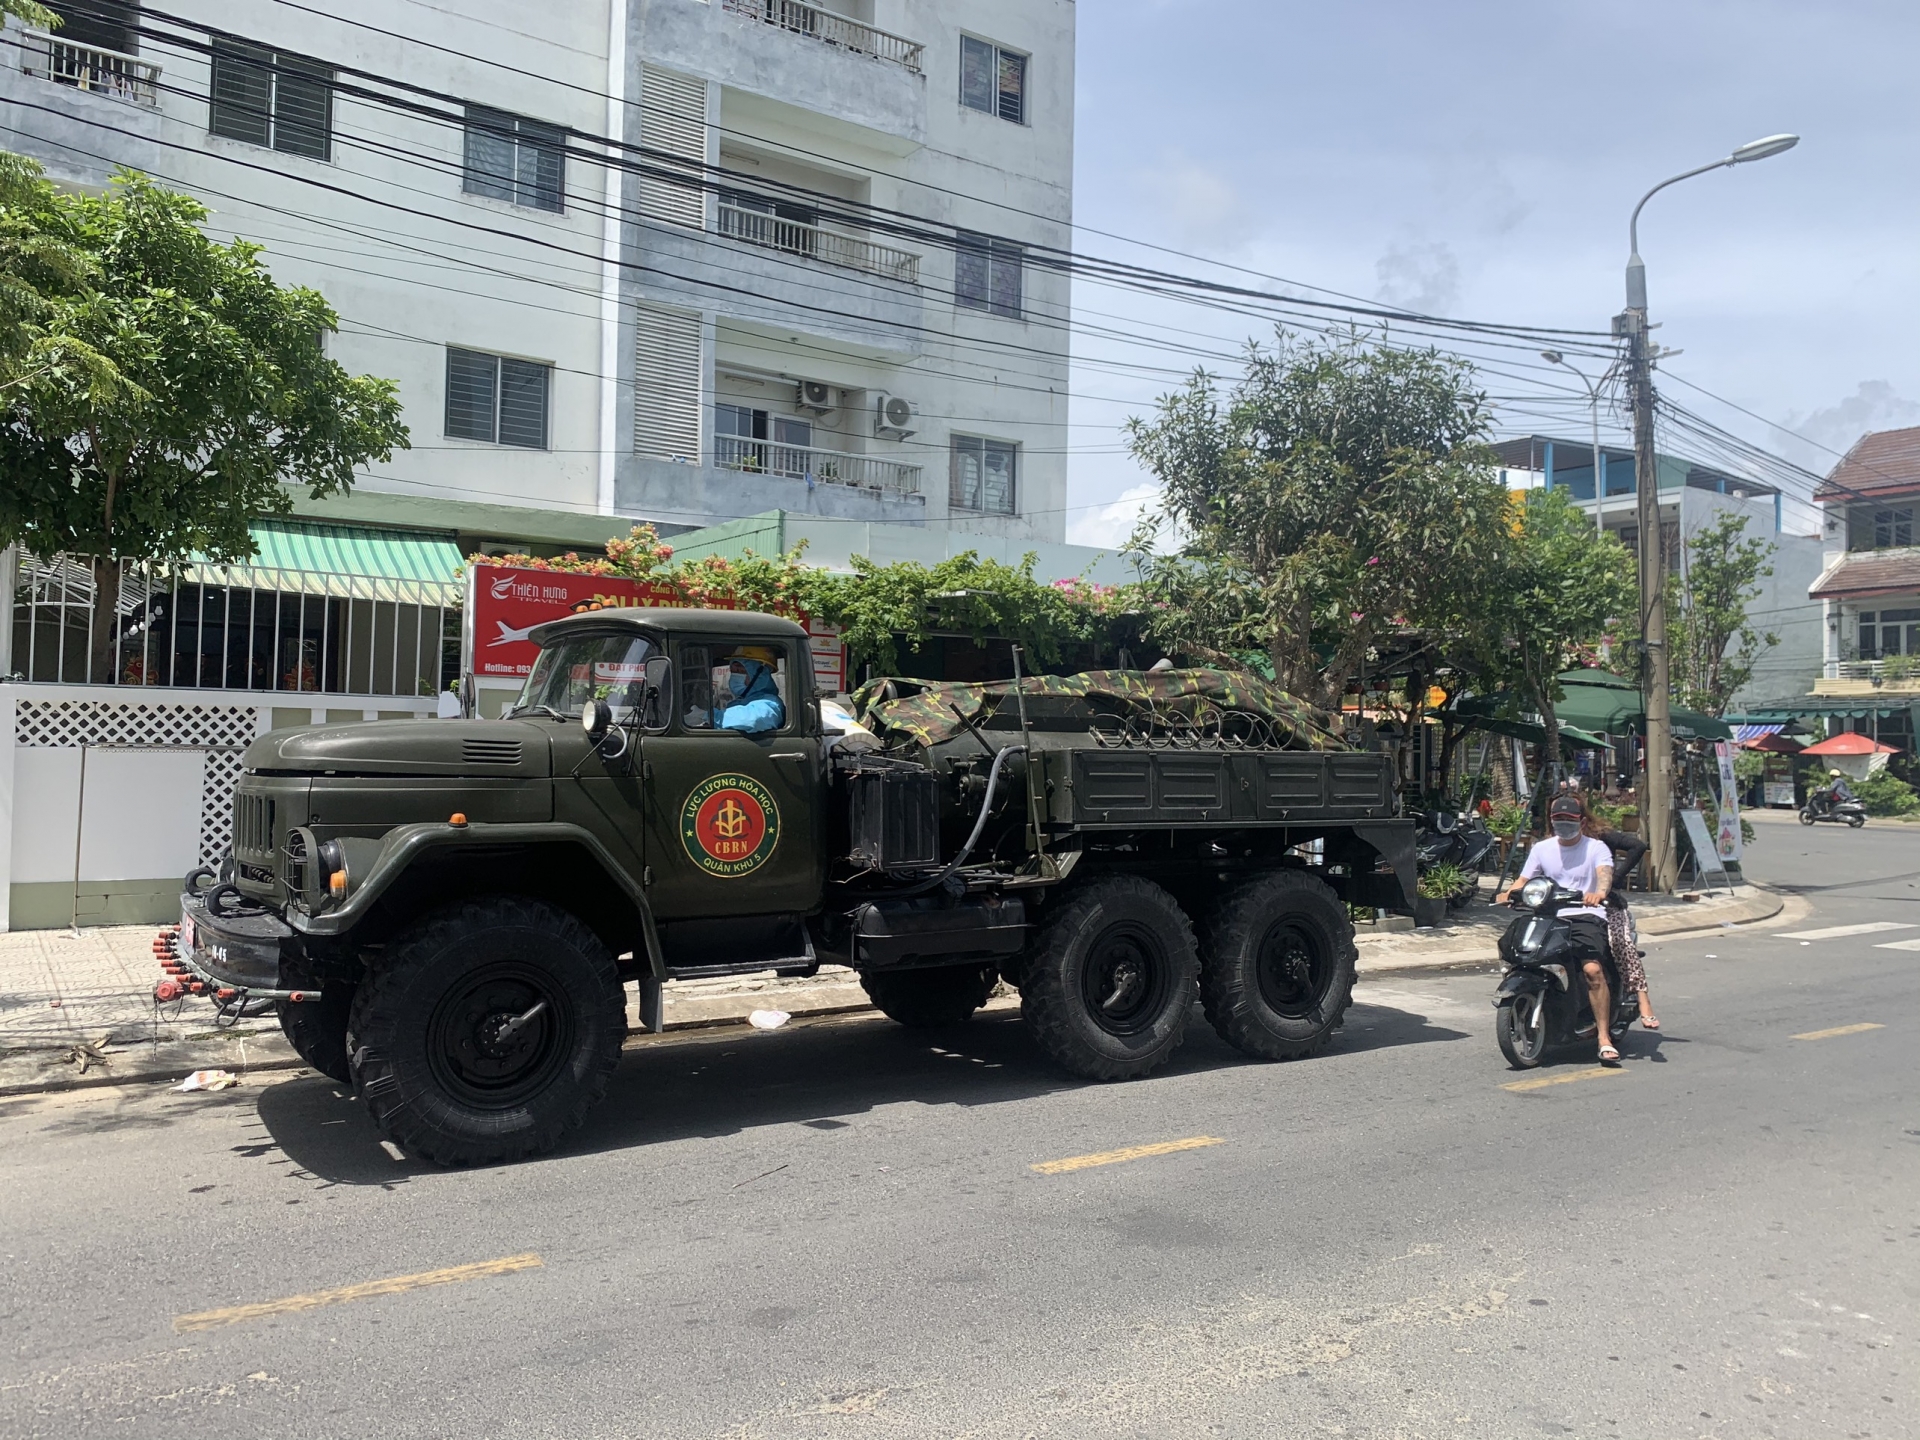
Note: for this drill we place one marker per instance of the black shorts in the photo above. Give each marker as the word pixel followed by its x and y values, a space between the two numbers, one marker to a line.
pixel 1589 939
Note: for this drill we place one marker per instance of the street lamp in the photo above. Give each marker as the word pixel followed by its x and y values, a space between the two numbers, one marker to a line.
pixel 1656 793
pixel 1554 357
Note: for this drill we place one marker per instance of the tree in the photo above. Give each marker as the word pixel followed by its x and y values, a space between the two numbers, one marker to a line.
pixel 1713 645
pixel 212 394
pixel 1340 489
pixel 1557 591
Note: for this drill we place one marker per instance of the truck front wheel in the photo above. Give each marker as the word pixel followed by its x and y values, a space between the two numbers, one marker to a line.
pixel 1108 983
pixel 487 1032
pixel 928 999
pixel 1278 965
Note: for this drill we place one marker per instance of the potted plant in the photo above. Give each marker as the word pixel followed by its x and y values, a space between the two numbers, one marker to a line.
pixel 1437 886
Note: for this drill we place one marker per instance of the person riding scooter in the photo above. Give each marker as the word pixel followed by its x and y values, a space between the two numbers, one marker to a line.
pixel 1835 792
pixel 1576 861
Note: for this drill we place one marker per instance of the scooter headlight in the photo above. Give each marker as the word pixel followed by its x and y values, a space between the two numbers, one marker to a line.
pixel 1535 892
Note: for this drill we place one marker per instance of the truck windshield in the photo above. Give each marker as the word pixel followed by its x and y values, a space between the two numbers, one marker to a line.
pixel 580 668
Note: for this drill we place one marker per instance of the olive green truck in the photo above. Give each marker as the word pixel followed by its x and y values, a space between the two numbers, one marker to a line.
pixel 446 914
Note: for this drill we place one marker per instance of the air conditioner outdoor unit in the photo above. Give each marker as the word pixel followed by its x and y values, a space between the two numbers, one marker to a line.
pixel 815 395
pixel 895 415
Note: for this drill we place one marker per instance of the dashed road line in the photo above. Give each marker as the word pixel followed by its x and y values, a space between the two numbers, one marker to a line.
pixel 1836 932
pixel 1839 1030
pixel 366 1290
pixel 1131 1152
pixel 1540 1082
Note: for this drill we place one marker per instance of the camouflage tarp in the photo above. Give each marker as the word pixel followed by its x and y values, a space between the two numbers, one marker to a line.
pixel 1199 701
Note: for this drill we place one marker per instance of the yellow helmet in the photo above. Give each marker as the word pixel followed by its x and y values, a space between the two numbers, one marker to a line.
pixel 765 654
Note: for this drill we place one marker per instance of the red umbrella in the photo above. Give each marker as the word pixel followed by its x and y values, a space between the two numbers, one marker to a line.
pixel 1852 744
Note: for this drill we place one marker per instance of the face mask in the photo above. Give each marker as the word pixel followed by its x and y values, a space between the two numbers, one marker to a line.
pixel 737 684
pixel 1567 830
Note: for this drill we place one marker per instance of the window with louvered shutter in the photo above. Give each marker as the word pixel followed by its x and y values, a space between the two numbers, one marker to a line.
pixel 987 274
pixel 673 135
pixel 497 399
pixel 993 80
pixel 514 159
pixel 271 98
pixel 666 383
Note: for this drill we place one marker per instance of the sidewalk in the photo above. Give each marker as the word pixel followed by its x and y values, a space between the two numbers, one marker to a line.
pixel 79 1009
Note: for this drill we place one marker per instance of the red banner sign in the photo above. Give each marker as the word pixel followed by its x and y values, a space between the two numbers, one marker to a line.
pixel 504 605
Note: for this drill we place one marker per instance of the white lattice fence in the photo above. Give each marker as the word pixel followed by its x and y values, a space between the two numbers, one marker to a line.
pixel 220 732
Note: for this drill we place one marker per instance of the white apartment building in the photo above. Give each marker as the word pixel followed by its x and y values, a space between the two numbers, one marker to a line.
pixel 808 276
pixel 741 268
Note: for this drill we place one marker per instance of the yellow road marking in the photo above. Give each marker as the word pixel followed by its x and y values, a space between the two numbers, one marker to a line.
pixel 1132 1152
pixel 1542 1081
pixel 367 1289
pixel 1838 1030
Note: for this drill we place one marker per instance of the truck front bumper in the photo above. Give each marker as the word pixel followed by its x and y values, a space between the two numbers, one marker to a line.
pixel 229 958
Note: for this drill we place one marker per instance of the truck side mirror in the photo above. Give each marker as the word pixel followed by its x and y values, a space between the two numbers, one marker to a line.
pixel 655 686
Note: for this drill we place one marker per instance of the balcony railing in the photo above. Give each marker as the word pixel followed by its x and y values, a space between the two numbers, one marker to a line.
pixel 86 67
pixel 1895 669
pixel 823 467
pixel 756 227
pixel 831 29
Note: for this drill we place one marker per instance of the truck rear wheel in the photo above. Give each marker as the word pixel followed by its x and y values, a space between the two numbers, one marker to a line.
pixel 1276 974
pixel 1109 980
pixel 317 1029
pixel 927 999
pixel 489 1030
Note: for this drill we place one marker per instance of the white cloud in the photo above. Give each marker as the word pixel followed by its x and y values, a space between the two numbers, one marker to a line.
pixel 1874 405
pixel 1424 278
pixel 1109 526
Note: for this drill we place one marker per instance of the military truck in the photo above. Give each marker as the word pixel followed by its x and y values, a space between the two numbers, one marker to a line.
pixel 446 914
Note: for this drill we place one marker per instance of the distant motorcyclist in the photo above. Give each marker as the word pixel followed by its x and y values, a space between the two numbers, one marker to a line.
pixel 1575 860
pixel 1837 788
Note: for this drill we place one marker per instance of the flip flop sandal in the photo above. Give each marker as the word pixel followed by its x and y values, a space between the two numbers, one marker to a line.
pixel 1609 1056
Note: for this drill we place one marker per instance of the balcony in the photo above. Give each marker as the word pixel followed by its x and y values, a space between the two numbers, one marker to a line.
pixel 86 67
pixel 756 227
pixel 1895 675
pixel 823 467
pixel 830 29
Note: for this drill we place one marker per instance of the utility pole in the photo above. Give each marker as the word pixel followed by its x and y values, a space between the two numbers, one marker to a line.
pixel 1656 778
pixel 1656 787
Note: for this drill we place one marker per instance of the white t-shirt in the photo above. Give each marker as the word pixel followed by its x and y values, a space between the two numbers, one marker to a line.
pixel 1575 866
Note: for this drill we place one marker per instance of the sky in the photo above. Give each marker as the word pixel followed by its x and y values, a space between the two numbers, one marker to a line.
pixel 1479 160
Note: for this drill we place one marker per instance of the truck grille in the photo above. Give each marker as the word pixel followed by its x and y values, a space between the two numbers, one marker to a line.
pixel 253 825
pixel 490 752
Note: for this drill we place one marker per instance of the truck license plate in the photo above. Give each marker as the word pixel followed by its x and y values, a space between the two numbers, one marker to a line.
pixel 186 931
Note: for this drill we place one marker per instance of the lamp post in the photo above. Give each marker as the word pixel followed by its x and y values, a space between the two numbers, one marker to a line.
pixel 1656 791
pixel 1554 357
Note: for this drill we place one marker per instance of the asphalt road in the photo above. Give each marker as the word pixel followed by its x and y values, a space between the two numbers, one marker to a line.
pixel 836 1230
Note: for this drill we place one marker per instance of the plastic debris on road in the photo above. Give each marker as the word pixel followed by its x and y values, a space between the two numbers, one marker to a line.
pixel 207 1080
pixel 768 1019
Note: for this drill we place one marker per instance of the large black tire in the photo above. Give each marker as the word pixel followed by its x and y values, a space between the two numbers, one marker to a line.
pixel 1277 966
pixel 1806 815
pixel 928 999
pixel 1109 980
pixel 317 1029
pixel 425 1040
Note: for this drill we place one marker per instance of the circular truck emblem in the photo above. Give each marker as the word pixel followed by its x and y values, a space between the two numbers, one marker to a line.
pixel 730 825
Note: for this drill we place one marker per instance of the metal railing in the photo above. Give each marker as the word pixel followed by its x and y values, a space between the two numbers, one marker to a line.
pixel 756 227
pixel 823 467
pixel 88 67
pixel 840 31
pixel 233 627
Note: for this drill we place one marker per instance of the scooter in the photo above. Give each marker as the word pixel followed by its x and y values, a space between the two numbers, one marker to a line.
pixel 1822 806
pixel 1542 1001
pixel 1443 840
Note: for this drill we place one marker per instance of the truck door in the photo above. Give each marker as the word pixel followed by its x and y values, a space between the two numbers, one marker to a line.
pixel 599 787
pixel 733 818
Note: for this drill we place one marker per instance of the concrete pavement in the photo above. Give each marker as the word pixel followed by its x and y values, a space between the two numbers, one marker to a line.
pixel 837 1229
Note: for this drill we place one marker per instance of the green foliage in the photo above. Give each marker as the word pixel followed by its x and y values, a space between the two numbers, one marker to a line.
pixel 1612 816
pixel 1748 765
pixel 1439 882
pixel 877 606
pixel 1508 819
pixel 1884 793
pixel 1712 643
pixel 1553 591
pixel 41 264
pixel 1341 489
pixel 29 12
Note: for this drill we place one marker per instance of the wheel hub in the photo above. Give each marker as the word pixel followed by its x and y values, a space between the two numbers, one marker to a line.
pixel 1125 981
pixel 1295 969
pixel 498 1039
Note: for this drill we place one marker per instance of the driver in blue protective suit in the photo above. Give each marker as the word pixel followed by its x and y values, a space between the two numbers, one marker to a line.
pixel 754 702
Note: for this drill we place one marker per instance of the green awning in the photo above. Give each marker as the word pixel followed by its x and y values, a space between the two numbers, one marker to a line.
pixel 346 562
pixel 1606 706
pixel 1571 736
